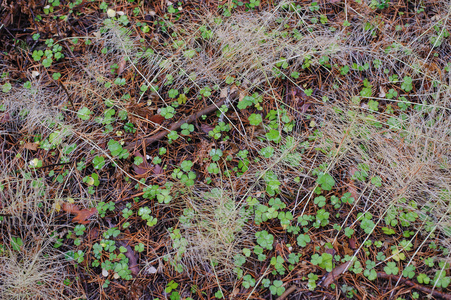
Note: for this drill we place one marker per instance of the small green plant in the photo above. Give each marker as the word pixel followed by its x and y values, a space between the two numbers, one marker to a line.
pixel 326 181
pixel 407 84
pixel 391 268
pixel 205 91
pixel 167 112
pixel 248 281
pixel 187 129
pixel 172 136
pixel 84 113
pixel 103 208
pixel 303 240
pixel 264 239
pixel 79 229
pixel 144 212
pixel 215 154
pixel 277 288
pixel 277 262
pixel 324 261
pixel 116 149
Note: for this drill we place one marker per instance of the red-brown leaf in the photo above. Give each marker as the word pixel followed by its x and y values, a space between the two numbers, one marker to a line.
pixel 121 65
pixel 132 259
pixel 158 119
pixel 206 128
pixel 31 146
pixel 335 274
pixel 143 167
pixel 82 215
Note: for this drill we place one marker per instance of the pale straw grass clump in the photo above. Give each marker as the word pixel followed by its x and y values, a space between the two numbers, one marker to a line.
pixel 30 267
pixel 409 153
pixel 32 110
pixel 246 47
pixel 35 272
pixel 211 231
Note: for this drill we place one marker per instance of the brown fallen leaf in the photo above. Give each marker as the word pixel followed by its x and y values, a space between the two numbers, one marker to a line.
pixel 335 274
pixel 352 244
pixel 352 188
pixel 206 128
pixel 81 214
pixel 143 167
pixel 31 146
pixel 121 66
pixel 5 118
pixel 330 251
pixel 132 258
pixel 158 119
pixel 158 170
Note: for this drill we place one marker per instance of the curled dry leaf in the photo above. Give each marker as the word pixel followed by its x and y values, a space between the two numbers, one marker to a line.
pixel 81 214
pixel 158 119
pixel 335 274
pixel 158 170
pixel 121 66
pixel 224 92
pixel 151 270
pixel 143 167
pixel 381 92
pixel 5 118
pixel 352 188
pixel 132 258
pixel 31 146
pixel 206 128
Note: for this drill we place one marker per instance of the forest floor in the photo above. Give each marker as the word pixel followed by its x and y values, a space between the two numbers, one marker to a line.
pixel 225 150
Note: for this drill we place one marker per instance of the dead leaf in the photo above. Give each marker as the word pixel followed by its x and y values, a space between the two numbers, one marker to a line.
pixel 304 108
pixel 121 65
pixel 224 92
pixel 158 170
pixel 335 274
pixel 352 188
pixel 81 215
pixel 158 119
pixel 151 270
pixel 352 244
pixel 5 118
pixel 330 251
pixel 31 146
pixel 206 128
pixel 381 92
pixel 241 95
pixel 143 167
pixel 132 258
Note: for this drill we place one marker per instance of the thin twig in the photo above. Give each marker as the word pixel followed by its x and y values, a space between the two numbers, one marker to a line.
pixel 288 292
pixel 416 286
pixel 207 110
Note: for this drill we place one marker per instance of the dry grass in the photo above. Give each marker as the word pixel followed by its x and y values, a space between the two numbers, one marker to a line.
pixel 34 270
pixel 212 230
pixel 409 150
pixel 33 110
